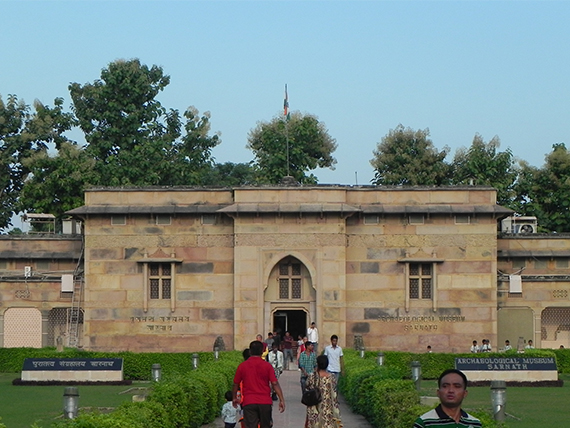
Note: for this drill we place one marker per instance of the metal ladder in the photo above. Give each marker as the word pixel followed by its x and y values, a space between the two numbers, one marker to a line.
pixel 76 299
pixel 75 312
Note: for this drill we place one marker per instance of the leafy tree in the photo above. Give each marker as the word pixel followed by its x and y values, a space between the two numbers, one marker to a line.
pixel 230 174
pixel 132 137
pixel 189 160
pixel 545 192
pixel 483 164
pixel 22 134
pixel 56 182
pixel 407 157
pixel 291 147
pixel 126 128
pixel 13 116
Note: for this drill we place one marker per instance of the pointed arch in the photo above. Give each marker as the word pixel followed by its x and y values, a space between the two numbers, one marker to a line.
pixel 277 257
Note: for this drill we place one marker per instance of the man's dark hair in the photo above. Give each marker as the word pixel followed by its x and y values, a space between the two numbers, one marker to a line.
pixel 307 343
pixel 256 348
pixel 449 371
pixel 334 336
pixel 322 362
pixel 245 354
pixel 229 396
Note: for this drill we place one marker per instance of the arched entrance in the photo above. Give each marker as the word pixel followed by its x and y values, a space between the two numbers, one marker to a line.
pixel 289 297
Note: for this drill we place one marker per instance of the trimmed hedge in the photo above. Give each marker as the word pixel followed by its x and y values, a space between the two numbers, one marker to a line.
pixel 385 395
pixel 136 366
pixel 179 400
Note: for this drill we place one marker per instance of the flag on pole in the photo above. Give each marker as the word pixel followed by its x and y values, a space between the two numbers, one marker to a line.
pixel 286 104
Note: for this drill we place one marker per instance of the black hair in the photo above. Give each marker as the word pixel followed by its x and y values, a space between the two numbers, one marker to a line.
pixel 245 354
pixel 322 362
pixel 334 336
pixel 229 396
pixel 256 348
pixel 449 371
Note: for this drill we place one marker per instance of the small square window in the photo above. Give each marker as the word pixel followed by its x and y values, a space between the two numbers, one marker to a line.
pixel 3 264
pixel 42 265
pixel 561 263
pixel 371 219
pixel 519 263
pixel 163 219
pixel 118 220
pixel 462 219
pixel 208 219
pixel 540 263
pixel 416 219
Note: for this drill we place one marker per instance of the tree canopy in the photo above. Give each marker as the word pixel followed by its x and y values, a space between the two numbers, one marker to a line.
pixel 408 157
pixel 130 135
pixel 482 164
pixel 545 192
pixel 23 134
pixel 292 147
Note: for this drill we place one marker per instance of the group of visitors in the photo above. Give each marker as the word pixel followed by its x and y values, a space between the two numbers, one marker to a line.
pixel 485 347
pixel 256 382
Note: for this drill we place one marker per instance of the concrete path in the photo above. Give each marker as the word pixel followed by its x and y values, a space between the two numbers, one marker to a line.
pixel 294 415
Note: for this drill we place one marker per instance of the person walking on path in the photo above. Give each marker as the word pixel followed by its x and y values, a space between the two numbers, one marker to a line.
pixel 275 358
pixel 313 336
pixel 335 356
pixel 326 414
pixel 452 389
pixel 301 348
pixel 307 363
pixel 255 376
pixel 230 413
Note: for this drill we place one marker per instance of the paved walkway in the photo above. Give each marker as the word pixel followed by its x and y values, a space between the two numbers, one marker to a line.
pixel 294 415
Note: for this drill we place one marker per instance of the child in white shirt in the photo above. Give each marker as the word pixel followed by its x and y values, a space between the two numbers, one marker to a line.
pixel 230 414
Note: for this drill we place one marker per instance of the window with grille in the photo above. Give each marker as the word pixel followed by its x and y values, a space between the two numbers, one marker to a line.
pixel 160 280
pixel 290 281
pixel 420 280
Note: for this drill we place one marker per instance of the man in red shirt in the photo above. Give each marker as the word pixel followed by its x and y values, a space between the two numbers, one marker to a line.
pixel 255 376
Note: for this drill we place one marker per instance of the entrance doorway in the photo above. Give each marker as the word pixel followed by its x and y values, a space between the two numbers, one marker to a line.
pixel 293 321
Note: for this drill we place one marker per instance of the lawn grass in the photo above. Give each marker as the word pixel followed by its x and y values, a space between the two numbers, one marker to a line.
pixel 526 407
pixel 21 406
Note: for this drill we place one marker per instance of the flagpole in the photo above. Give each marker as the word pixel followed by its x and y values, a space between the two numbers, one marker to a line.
pixel 286 115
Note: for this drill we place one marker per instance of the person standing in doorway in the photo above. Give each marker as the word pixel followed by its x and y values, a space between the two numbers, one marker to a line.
pixel 313 336
pixel 307 363
pixel 287 349
pixel 335 356
pixel 256 376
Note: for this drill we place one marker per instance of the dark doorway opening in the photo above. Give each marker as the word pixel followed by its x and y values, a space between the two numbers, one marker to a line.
pixel 293 321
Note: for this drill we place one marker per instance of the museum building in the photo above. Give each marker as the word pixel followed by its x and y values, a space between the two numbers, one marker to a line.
pixel 175 269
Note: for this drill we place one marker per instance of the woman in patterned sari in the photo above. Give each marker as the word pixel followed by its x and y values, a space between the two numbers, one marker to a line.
pixel 326 414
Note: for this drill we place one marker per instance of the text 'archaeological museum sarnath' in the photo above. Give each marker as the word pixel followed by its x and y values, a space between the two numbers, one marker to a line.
pixel 177 269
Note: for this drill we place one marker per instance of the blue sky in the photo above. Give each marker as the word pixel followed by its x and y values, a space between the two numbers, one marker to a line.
pixel 363 67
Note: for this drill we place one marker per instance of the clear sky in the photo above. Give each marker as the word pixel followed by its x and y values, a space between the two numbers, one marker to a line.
pixel 363 67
